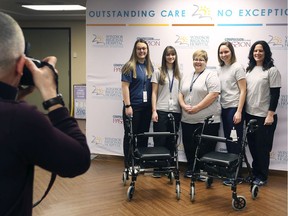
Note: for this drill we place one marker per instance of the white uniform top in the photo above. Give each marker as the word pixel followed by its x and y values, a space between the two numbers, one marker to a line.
pixel 259 83
pixel 164 94
pixel 229 75
pixel 205 83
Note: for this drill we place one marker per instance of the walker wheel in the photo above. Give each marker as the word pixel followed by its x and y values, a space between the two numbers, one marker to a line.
pixel 254 191
pixel 192 193
pixel 178 191
pixel 239 203
pixel 171 177
pixel 130 192
pixel 125 177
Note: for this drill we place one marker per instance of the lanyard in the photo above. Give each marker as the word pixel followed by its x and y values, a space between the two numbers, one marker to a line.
pixel 194 80
pixel 170 83
pixel 145 77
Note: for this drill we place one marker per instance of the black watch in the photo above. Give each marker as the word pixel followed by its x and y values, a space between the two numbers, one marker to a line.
pixel 53 101
pixel 127 106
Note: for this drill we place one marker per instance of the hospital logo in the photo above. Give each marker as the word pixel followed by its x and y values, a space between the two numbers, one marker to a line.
pixel 239 42
pixel 117 119
pixel 107 41
pixel 201 11
pixel 112 142
pixel 96 140
pixel 98 40
pixel 283 101
pixel 117 68
pixel 98 91
pixel 277 42
pixel 282 156
pixel 106 93
pixel 202 40
pixel 185 41
pixel 182 40
pixel 151 41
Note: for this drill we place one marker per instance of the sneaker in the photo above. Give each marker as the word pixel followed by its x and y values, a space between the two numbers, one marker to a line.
pixel 259 182
pixel 201 178
pixel 229 182
pixel 188 174
pixel 239 180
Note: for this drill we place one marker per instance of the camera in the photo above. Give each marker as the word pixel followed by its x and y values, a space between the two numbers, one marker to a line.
pixel 27 78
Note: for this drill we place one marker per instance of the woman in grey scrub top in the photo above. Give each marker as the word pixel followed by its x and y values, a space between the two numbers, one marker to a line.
pixel 263 90
pixel 232 97
pixel 198 98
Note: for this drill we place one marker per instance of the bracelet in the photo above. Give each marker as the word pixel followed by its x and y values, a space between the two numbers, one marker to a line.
pixel 53 101
pixel 127 106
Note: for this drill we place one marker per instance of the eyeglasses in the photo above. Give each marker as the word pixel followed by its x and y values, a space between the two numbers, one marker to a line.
pixel 141 48
pixel 198 60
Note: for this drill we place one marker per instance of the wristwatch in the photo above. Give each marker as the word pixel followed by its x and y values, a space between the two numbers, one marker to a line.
pixel 53 101
pixel 127 106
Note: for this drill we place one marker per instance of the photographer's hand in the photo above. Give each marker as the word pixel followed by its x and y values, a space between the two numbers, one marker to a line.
pixel 44 79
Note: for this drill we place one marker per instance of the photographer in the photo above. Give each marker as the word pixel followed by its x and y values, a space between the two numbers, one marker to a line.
pixel 27 136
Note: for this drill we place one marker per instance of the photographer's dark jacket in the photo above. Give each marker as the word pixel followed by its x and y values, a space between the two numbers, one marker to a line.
pixel 28 138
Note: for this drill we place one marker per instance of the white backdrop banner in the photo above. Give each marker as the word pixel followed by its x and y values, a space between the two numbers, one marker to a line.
pixel 113 26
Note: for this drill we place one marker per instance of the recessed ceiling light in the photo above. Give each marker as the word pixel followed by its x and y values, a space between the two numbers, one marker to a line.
pixel 55 7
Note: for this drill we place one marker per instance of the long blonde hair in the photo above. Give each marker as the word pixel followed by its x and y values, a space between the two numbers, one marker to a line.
pixel 131 64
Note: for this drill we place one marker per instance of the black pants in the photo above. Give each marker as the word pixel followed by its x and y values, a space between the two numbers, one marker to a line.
pixel 140 123
pixel 190 143
pixel 260 144
pixel 165 125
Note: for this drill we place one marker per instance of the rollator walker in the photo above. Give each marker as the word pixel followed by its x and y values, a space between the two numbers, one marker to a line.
pixel 223 165
pixel 146 159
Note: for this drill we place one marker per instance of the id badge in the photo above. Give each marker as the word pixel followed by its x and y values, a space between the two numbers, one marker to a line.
pixel 233 134
pixel 170 105
pixel 144 96
pixel 189 99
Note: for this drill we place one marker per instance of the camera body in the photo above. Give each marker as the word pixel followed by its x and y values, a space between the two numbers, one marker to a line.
pixel 27 78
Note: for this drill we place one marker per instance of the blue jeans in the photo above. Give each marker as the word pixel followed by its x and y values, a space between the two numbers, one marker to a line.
pixel 227 120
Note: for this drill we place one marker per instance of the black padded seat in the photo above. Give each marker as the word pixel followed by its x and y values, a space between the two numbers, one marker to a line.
pixel 220 159
pixel 152 153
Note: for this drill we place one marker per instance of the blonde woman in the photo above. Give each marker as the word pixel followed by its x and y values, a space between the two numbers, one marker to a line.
pixel 198 98
pixel 136 92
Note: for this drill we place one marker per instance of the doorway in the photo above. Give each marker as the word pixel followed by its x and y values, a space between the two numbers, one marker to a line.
pixel 51 42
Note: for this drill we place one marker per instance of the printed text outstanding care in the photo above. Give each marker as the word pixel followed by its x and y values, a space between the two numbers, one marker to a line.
pixel 184 13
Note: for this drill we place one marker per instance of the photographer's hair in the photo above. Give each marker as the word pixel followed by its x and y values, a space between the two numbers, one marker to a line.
pixel 231 48
pixel 11 43
pixel 131 64
pixel 164 70
pixel 268 60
